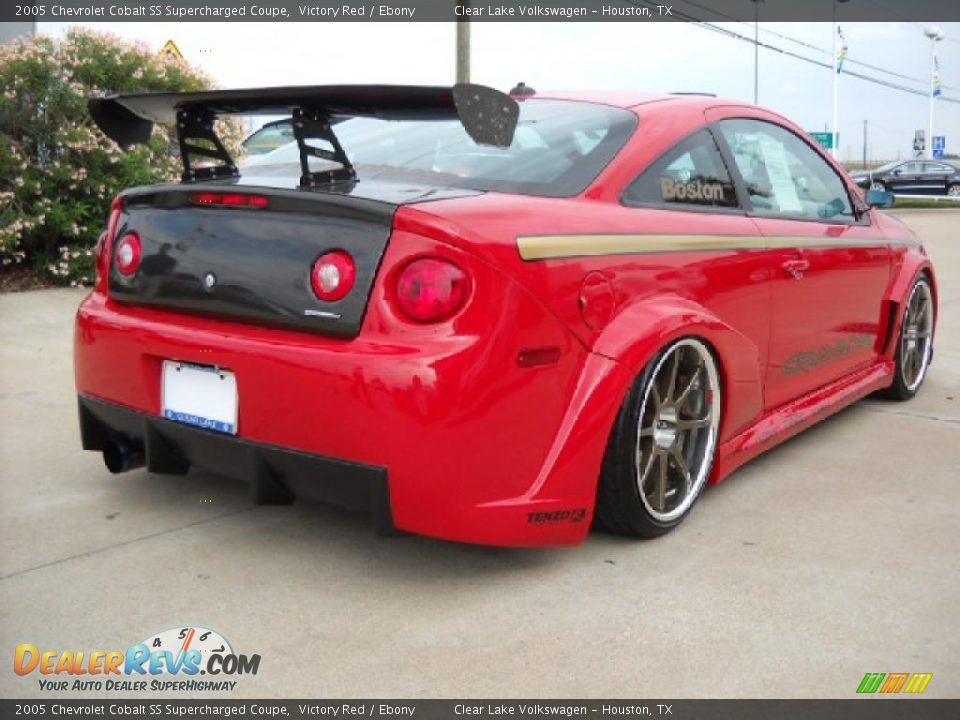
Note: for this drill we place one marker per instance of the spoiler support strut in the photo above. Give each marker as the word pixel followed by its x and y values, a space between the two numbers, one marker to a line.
pixel 315 125
pixel 198 125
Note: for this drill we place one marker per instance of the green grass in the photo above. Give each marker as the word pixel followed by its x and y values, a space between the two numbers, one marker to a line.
pixel 905 203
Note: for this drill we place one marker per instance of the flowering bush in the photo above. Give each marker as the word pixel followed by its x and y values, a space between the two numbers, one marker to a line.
pixel 58 172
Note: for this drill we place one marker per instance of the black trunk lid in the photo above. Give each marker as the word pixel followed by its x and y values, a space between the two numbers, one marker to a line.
pixel 253 264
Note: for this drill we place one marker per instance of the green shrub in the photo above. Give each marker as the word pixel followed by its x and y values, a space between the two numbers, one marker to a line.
pixel 58 172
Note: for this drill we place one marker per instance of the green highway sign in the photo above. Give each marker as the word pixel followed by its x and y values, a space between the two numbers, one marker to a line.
pixel 824 138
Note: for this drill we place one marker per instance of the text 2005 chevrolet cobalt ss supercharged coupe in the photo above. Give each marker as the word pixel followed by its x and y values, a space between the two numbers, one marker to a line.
pixel 485 318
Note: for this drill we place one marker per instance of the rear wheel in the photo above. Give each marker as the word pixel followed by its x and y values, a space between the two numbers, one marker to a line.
pixel 662 446
pixel 954 191
pixel 915 344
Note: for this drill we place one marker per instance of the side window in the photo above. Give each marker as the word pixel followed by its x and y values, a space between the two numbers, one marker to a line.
pixel 690 174
pixel 937 168
pixel 913 168
pixel 783 175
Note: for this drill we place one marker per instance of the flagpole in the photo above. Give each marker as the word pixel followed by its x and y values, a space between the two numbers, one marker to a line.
pixel 935 34
pixel 932 90
pixel 836 80
pixel 835 140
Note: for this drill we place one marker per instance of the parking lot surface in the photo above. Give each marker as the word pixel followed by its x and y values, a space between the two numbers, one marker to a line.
pixel 829 557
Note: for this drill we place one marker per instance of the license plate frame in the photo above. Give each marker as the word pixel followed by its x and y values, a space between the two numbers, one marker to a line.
pixel 203 396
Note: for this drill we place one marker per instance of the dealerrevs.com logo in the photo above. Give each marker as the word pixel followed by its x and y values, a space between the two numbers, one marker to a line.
pixel 172 660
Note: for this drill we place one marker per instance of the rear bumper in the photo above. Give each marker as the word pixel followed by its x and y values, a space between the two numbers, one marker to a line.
pixel 440 433
pixel 275 474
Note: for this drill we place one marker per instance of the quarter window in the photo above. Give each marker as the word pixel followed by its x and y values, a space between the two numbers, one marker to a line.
pixel 690 174
pixel 783 175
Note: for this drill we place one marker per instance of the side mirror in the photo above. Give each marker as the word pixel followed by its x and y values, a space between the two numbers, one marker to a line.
pixel 830 209
pixel 897 172
pixel 880 198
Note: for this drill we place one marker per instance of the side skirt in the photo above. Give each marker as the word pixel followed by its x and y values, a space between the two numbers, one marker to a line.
pixel 796 416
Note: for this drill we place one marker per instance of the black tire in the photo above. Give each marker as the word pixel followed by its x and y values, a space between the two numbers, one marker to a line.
pixel 620 508
pixel 903 387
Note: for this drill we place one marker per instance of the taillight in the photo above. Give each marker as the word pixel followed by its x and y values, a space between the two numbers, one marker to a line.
pixel 104 244
pixel 333 275
pixel 431 290
pixel 231 199
pixel 128 253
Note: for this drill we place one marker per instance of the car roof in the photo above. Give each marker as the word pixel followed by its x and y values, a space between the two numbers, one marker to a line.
pixel 630 99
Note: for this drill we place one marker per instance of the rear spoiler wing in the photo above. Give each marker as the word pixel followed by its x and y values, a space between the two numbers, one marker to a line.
pixel 488 116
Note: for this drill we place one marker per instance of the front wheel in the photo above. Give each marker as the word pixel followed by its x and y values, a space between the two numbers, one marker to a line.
pixel 915 344
pixel 877 185
pixel 663 443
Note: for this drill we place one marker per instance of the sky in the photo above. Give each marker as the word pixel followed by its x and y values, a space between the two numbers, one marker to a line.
pixel 595 56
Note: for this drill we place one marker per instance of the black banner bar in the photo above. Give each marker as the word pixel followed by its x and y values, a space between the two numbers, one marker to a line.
pixel 649 11
pixel 867 708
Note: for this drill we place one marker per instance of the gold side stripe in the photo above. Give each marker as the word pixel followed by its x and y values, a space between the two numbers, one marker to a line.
pixel 543 247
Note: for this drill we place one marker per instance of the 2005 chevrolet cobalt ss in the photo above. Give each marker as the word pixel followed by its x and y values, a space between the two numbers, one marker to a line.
pixel 487 318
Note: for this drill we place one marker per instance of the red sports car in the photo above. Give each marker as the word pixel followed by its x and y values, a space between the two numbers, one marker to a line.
pixel 487 318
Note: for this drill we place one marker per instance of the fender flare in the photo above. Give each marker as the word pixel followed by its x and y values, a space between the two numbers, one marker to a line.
pixel 663 319
pixel 904 279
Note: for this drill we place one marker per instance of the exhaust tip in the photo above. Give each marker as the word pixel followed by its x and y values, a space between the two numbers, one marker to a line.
pixel 121 455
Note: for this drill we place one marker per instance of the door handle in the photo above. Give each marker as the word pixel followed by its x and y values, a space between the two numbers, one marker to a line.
pixel 797 267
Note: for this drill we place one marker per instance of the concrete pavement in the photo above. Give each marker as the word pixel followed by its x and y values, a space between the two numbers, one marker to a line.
pixel 831 556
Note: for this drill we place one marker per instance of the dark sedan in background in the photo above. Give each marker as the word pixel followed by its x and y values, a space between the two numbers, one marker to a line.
pixel 913 177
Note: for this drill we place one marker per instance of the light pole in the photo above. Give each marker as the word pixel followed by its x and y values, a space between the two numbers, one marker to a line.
pixel 463 44
pixel 936 35
pixel 756 51
pixel 835 134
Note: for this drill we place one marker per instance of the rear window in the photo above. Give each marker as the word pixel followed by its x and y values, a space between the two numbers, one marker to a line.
pixel 559 147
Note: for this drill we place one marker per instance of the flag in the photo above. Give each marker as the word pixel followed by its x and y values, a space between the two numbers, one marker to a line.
pixel 937 80
pixel 841 49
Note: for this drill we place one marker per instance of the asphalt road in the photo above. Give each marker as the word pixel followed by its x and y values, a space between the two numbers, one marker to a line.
pixel 831 556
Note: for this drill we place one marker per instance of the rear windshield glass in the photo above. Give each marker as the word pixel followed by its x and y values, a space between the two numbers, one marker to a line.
pixel 559 147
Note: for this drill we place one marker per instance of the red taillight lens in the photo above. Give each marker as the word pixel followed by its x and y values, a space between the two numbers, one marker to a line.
pixel 333 275
pixel 104 243
pixel 431 290
pixel 231 199
pixel 128 253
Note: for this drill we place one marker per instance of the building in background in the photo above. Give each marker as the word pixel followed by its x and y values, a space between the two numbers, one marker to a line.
pixel 10 31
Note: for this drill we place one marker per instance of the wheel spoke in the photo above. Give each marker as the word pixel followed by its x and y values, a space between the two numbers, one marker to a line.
pixel 662 483
pixel 685 393
pixel 672 381
pixel 649 466
pixel 912 364
pixel 655 396
pixel 695 423
pixel 684 470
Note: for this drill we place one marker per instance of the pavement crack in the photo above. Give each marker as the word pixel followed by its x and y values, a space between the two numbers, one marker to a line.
pixel 909 413
pixel 131 541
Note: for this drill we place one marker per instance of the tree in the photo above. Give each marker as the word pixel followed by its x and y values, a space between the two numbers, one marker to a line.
pixel 58 172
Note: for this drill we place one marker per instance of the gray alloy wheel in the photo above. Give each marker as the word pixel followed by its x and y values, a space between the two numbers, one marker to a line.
pixel 916 336
pixel 662 444
pixel 953 191
pixel 678 425
pixel 877 185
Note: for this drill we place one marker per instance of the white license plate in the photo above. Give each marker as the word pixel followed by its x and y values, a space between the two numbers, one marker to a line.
pixel 199 395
